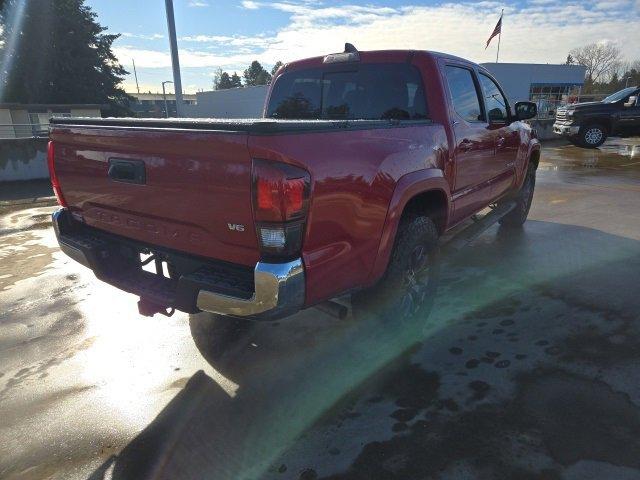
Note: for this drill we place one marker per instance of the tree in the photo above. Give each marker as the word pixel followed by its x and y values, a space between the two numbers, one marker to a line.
pixel 223 82
pixel 275 68
pixel 631 75
pixel 236 82
pixel 256 75
pixel 216 79
pixel 601 60
pixel 54 51
pixel 570 60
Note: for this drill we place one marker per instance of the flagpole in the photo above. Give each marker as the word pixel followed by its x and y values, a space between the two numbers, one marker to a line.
pixel 500 35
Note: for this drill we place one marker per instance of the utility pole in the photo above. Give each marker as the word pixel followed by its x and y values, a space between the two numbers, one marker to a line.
pixel 175 62
pixel 164 95
pixel 136 75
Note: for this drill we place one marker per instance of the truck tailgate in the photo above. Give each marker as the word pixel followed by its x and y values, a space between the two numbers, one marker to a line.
pixel 193 193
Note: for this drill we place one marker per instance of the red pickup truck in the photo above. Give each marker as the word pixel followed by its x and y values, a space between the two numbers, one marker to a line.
pixel 361 161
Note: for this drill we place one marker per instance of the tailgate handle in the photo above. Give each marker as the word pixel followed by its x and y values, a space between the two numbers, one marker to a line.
pixel 128 171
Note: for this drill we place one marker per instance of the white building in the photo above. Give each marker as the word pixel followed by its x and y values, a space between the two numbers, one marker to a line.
pixel 546 84
pixel 20 120
pixel 243 102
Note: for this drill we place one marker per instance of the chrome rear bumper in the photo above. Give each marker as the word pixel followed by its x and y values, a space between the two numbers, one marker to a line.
pixel 278 289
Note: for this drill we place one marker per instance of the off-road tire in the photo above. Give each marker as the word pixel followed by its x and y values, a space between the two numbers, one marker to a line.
pixel 516 217
pixel 395 297
pixel 592 136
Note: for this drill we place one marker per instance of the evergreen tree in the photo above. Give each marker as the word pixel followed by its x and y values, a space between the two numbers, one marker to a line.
pixel 256 75
pixel 54 51
pixel 236 82
pixel 275 68
pixel 224 82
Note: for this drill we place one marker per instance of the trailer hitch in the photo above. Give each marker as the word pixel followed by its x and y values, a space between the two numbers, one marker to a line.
pixel 147 308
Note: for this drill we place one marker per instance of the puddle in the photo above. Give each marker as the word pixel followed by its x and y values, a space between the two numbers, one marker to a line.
pixel 560 403
pixel 23 220
pixel 545 419
pixel 620 154
pixel 28 258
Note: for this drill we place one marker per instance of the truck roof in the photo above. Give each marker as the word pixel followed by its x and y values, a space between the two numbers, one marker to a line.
pixel 371 56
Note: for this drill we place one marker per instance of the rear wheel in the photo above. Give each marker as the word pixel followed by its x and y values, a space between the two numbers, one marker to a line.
pixel 592 136
pixel 408 288
pixel 523 199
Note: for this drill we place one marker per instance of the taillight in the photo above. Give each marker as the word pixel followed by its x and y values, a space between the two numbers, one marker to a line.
pixel 52 173
pixel 280 203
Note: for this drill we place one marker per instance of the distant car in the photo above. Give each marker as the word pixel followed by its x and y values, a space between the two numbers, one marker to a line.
pixel 589 124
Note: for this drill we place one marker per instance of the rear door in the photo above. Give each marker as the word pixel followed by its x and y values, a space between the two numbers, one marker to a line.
pixel 475 164
pixel 189 190
pixel 506 136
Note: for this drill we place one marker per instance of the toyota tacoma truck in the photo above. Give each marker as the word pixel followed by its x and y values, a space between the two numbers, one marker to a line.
pixel 360 162
pixel 589 124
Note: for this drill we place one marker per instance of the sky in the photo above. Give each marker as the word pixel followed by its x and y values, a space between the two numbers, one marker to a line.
pixel 229 34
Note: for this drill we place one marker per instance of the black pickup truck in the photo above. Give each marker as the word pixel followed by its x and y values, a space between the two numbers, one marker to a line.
pixel 589 124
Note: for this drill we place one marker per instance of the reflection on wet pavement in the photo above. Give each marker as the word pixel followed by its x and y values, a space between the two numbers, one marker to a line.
pixel 618 154
pixel 522 371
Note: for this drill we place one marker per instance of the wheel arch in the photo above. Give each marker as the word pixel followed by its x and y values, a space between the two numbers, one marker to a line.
pixel 534 157
pixel 423 192
pixel 605 122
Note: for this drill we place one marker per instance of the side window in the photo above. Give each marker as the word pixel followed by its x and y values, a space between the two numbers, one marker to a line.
pixel 463 93
pixel 494 100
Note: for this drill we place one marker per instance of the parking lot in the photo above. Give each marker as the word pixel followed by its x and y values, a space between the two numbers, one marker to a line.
pixel 526 368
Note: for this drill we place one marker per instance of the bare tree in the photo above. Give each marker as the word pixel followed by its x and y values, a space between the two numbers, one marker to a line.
pixel 601 60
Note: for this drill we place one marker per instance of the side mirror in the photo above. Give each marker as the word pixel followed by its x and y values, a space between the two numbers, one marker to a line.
pixel 526 110
pixel 631 102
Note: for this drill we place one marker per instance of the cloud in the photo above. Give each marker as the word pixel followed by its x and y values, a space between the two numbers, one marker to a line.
pixel 146 58
pixel 258 41
pixel 198 3
pixel 153 36
pixel 536 31
pixel 250 5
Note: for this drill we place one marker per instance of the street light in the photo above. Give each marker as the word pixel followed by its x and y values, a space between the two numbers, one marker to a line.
pixel 164 95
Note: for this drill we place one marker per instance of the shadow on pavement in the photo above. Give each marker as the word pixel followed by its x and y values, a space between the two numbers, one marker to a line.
pixel 505 375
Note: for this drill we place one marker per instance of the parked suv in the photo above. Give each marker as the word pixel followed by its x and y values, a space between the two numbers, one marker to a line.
pixel 362 160
pixel 589 124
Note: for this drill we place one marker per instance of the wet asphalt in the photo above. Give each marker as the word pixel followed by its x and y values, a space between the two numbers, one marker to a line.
pixel 527 367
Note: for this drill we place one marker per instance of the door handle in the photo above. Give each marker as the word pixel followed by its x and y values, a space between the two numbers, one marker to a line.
pixel 465 145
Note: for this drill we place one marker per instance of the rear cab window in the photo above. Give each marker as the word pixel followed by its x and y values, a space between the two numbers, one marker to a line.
pixel 375 91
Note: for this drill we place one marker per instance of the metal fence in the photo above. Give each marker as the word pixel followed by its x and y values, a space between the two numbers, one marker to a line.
pixel 24 130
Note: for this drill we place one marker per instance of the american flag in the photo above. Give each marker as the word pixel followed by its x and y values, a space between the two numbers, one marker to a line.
pixel 496 31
